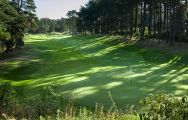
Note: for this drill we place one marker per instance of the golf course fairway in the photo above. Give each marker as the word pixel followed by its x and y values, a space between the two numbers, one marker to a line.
pixel 89 67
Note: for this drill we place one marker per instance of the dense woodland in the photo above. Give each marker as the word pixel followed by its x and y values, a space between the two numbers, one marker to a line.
pixel 165 19
pixel 162 19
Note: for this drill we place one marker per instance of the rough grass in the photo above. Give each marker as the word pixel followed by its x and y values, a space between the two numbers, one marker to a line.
pixel 91 66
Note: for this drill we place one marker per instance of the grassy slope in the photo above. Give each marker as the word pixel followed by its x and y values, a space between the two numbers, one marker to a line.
pixel 89 67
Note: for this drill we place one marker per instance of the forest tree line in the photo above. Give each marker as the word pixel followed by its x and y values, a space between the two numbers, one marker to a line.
pixel 162 19
pixel 46 25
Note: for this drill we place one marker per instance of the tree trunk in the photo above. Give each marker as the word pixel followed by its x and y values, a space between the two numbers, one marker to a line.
pixel 136 19
pixel 150 20
pixel 131 19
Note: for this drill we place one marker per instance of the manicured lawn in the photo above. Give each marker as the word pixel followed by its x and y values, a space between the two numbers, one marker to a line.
pixel 91 66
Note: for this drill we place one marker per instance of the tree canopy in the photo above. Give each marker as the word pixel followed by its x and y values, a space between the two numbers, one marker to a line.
pixel 15 17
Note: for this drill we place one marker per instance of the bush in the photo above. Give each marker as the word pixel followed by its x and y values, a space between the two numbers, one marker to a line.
pixel 164 107
pixel 7 100
pixel 3 34
pixel 47 104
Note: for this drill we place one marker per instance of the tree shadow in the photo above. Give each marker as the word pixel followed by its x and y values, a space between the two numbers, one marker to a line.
pixel 90 67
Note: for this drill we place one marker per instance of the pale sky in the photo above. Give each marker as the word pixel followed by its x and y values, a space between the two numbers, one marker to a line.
pixel 55 9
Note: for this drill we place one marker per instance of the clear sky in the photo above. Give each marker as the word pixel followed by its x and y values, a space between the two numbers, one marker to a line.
pixel 55 9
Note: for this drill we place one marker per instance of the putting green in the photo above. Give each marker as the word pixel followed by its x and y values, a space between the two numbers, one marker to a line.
pixel 91 66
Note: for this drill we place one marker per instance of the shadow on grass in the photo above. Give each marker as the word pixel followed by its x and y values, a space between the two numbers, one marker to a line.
pixel 91 66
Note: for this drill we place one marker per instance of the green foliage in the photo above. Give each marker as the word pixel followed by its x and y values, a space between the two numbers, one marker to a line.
pixel 7 101
pixel 71 21
pixel 3 34
pixel 47 104
pixel 46 25
pixel 7 14
pixel 165 107
pixel 15 17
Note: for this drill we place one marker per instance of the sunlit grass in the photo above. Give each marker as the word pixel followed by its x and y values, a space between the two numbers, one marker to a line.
pixel 91 66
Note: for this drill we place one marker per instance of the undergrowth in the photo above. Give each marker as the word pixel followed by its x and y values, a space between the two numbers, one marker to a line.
pixel 49 106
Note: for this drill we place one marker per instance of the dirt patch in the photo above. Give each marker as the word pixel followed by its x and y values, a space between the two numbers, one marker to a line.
pixel 14 56
pixel 21 58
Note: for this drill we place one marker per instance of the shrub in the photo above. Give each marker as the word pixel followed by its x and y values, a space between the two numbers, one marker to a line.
pixel 164 107
pixel 7 100
pixel 47 104
pixel 3 34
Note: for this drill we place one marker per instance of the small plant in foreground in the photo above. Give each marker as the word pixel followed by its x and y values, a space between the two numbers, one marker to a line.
pixel 47 104
pixel 7 101
pixel 164 107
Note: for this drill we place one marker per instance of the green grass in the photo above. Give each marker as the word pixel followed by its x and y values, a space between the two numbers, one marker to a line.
pixel 91 66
